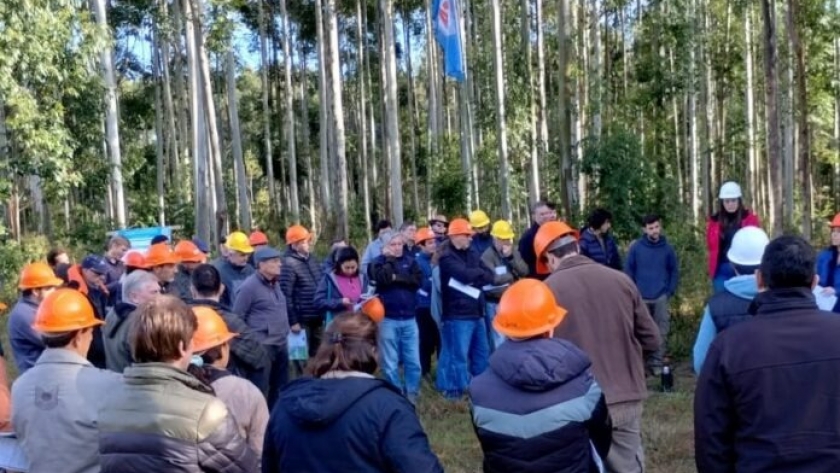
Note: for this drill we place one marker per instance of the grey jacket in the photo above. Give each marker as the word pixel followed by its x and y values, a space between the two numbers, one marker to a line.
pixel 263 307
pixel 164 419
pixel 247 405
pixel 506 270
pixel 55 408
pixel 115 337
pixel 232 277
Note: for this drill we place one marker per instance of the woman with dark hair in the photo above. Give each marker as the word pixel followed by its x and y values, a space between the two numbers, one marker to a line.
pixel 342 287
pixel 211 354
pixel 341 418
pixel 721 228
pixel 828 261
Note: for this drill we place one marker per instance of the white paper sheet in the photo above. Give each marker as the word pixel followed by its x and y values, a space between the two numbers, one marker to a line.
pixel 463 288
pixel 824 301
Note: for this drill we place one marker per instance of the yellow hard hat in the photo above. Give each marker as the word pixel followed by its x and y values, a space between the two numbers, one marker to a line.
pixel 502 230
pixel 238 241
pixel 479 219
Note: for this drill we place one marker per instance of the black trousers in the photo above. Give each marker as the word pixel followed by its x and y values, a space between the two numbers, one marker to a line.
pixel 429 339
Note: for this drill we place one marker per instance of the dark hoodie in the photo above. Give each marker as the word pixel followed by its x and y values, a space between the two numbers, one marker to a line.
pixel 653 266
pixel 538 407
pixel 355 423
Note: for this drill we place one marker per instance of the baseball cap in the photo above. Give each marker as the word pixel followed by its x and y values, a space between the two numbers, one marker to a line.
pixel 96 264
pixel 266 253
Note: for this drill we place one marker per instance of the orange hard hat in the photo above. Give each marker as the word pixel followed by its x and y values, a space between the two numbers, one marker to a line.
pixel 160 254
pixel 296 234
pixel 835 222
pixel 527 309
pixel 65 310
pixel 135 259
pixel 374 309
pixel 257 238
pixel 187 252
pixel 459 226
pixel 548 233
pixel 3 306
pixel 423 234
pixel 212 330
pixel 37 275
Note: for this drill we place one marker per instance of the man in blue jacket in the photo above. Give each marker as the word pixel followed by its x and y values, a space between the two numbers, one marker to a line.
pixel 652 264
pixel 465 346
pixel 429 333
pixel 732 305
pixel 596 241
pixel 538 407
pixel 398 277
pixel 766 398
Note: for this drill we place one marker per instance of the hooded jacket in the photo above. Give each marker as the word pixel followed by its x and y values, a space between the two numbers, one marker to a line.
pixel 766 398
pixel 740 288
pixel 653 266
pixel 607 253
pixel 115 337
pixel 299 282
pixel 164 419
pixel 374 425
pixel 328 296
pixel 537 408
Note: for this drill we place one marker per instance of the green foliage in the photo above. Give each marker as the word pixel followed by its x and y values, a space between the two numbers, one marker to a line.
pixel 13 256
pixel 449 184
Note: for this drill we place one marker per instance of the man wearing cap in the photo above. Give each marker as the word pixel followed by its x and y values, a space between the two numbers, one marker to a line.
pixel 118 245
pixel 609 321
pixel 55 405
pixel 541 212
pixel 465 346
pixel 37 281
pixel 299 281
pixel 374 249
pixel 507 265
pixel 190 257
pixel 480 223
pixel 202 245
pixel 733 304
pixel 89 279
pixel 439 224
pixel 256 239
pixel 537 408
pixel 767 394
pixel 233 265
pixel 137 288
pixel 263 305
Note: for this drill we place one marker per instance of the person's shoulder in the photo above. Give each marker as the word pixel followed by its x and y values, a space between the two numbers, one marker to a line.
pixel 213 414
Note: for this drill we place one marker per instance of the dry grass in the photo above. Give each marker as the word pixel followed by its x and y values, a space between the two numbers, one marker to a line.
pixel 667 429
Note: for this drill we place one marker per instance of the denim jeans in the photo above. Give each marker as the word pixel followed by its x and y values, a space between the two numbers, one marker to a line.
pixel 464 353
pixel 399 342
pixel 496 339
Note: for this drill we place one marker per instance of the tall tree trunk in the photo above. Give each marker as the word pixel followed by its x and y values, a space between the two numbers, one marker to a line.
pixel 291 153
pixel 160 167
pixel 412 112
pixel 392 126
pixel 694 153
pixel 324 117
pixel 181 102
pixel 802 117
pixel 199 143
pixel 501 127
pixel 267 138
pixel 306 149
pixel 771 100
pixel 337 115
pixel 112 118
pixel 527 75
pixel 564 134
pixel 752 156
pixel 362 114
pixel 244 204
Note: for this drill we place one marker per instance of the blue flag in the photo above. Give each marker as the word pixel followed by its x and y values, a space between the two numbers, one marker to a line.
pixel 447 23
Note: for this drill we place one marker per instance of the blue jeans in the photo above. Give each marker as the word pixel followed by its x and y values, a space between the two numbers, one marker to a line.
pixel 496 339
pixel 464 353
pixel 399 342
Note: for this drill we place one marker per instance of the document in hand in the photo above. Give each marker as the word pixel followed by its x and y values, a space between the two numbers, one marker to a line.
pixel 464 289
pixel 298 349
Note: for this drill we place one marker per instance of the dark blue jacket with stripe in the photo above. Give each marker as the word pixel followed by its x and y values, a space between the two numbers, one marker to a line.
pixel 539 409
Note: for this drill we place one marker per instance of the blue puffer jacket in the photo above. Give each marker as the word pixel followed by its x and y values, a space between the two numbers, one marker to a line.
pixel 607 255
pixel 373 423
pixel 538 407
pixel 397 281
pixel 299 282
pixel 465 267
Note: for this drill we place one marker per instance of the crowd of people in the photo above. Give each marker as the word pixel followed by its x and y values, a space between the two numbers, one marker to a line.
pixel 158 360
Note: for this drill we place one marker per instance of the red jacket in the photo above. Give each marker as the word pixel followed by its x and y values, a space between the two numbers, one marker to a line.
pixel 713 237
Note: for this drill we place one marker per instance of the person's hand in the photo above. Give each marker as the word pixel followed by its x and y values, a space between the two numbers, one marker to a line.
pixel 346 302
pixel 295 328
pixel 828 291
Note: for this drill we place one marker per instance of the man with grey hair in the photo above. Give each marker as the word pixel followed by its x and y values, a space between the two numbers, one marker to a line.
pixel 374 249
pixel 541 212
pixel 137 288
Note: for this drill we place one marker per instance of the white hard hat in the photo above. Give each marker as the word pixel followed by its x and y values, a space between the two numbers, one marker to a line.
pixel 748 246
pixel 730 190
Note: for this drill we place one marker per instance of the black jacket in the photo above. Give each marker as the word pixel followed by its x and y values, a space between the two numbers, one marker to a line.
pixel 537 408
pixel 766 398
pixel 727 310
pixel 526 249
pixel 299 282
pixel 247 354
pixel 465 267
pixel 397 281
pixel 357 424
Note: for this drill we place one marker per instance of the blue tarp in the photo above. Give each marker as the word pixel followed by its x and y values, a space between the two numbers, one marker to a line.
pixel 141 238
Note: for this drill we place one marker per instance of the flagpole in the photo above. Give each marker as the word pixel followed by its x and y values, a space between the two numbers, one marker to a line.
pixel 465 110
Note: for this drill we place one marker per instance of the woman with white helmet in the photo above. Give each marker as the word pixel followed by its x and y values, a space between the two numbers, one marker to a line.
pixel 721 228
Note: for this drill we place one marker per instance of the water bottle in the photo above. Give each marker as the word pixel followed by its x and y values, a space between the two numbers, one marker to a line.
pixel 666 380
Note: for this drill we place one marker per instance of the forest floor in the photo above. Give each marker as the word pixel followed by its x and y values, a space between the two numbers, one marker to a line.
pixel 668 431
